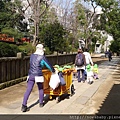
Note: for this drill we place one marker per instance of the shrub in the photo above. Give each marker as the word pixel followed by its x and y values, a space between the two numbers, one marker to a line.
pixel 8 50
pixel 26 48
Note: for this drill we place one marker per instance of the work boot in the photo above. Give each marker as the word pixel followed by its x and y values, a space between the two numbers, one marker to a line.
pixel 24 108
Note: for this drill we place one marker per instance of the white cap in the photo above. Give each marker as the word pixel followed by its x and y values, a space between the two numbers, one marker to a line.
pixel 40 47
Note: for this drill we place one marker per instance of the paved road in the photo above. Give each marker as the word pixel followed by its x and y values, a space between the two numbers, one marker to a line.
pixel 11 98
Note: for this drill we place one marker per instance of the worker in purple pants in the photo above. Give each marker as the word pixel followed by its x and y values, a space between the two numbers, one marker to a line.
pixel 30 85
pixel 35 75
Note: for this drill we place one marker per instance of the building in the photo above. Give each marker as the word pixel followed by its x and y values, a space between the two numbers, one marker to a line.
pixel 102 47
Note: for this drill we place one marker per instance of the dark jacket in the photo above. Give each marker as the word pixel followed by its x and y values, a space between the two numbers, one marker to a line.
pixel 37 62
pixel 109 54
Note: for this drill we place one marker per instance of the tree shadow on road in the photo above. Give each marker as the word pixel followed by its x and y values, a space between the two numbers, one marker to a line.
pixel 111 104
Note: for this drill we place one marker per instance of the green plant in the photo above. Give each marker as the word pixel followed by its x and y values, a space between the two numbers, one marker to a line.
pixel 8 50
pixel 27 48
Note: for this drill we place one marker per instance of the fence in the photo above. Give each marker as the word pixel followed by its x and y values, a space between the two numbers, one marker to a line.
pixel 15 68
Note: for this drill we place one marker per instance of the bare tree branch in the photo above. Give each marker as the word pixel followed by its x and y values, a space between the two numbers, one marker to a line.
pixel 47 6
pixel 94 11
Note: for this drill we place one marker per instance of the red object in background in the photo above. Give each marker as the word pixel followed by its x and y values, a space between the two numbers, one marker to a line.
pixel 24 39
pixel 5 37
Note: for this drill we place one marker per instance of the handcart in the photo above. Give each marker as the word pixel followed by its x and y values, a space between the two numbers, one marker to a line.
pixel 60 90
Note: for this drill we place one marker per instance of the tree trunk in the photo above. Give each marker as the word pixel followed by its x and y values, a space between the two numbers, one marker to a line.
pixel 35 41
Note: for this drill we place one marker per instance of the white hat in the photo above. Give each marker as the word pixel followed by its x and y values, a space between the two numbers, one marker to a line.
pixel 39 49
pixel 39 46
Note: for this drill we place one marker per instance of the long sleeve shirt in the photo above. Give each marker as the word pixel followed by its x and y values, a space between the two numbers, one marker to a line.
pixel 88 58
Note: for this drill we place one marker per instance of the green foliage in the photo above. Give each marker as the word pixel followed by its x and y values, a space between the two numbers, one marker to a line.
pixel 52 35
pixel 115 47
pixel 110 21
pixel 27 48
pixel 8 50
pixel 11 21
pixel 71 43
pixel 83 18
pixel 80 12
pixel 47 51
pixel 13 33
pixel 11 50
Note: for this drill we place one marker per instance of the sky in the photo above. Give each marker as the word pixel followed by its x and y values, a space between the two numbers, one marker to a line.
pixel 63 2
pixel 87 5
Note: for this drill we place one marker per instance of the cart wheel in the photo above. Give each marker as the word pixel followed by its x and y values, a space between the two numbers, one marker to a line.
pixel 50 97
pixel 58 99
pixel 72 90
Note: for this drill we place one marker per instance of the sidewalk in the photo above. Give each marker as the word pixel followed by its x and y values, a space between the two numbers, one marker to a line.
pixel 98 55
pixel 11 98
